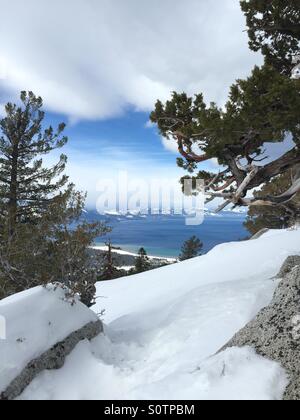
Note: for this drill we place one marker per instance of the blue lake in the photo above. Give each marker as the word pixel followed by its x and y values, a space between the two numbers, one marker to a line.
pixel 163 235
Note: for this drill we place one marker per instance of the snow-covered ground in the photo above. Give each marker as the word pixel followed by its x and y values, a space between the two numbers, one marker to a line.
pixel 35 321
pixel 163 329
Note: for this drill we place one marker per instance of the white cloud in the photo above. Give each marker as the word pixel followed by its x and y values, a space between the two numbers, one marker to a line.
pixel 150 124
pixel 95 58
pixel 170 145
pixel 86 168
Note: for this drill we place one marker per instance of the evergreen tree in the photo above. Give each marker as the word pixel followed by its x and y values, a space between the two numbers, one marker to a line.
pixel 274 28
pixel 42 238
pixel 69 239
pixel 26 187
pixel 191 249
pixel 261 109
pixel 109 271
pixel 142 262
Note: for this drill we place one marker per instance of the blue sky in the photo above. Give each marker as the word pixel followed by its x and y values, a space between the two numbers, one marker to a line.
pixel 100 65
pixel 101 149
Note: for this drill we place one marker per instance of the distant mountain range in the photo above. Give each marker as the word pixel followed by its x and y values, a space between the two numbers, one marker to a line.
pixel 156 212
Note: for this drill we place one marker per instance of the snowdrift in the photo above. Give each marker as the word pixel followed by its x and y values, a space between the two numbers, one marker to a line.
pixel 36 320
pixel 164 328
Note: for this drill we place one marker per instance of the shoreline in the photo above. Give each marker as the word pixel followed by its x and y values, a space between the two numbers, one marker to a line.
pixel 163 238
pixel 121 252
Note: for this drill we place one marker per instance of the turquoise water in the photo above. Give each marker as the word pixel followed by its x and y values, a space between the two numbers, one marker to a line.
pixel 164 235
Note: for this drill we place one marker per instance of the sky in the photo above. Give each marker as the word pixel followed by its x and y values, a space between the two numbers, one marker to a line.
pixel 100 66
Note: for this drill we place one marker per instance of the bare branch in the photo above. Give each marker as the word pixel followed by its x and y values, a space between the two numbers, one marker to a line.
pixel 223 206
pixel 223 187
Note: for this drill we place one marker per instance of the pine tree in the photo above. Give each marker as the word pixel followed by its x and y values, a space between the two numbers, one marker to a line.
pixel 70 260
pixel 274 29
pixel 26 187
pixel 109 271
pixel 42 237
pixel 142 262
pixel 261 109
pixel 191 249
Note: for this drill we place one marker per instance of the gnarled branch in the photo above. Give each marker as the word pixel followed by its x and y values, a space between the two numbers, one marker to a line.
pixel 189 156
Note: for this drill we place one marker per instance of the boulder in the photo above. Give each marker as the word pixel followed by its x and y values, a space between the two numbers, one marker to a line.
pixel 51 359
pixel 41 328
pixel 288 265
pixel 275 332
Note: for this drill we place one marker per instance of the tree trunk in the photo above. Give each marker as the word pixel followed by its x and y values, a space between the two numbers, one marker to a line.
pixel 13 191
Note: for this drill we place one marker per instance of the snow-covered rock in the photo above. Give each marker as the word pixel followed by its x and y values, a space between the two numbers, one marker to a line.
pixel 165 327
pixel 290 263
pixel 36 321
pixel 275 331
pixel 260 233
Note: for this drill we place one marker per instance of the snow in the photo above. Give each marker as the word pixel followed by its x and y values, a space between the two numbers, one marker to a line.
pixel 35 321
pixel 126 267
pixel 112 213
pixel 129 214
pixel 236 374
pixel 296 72
pixel 240 262
pixel 238 210
pixel 165 327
